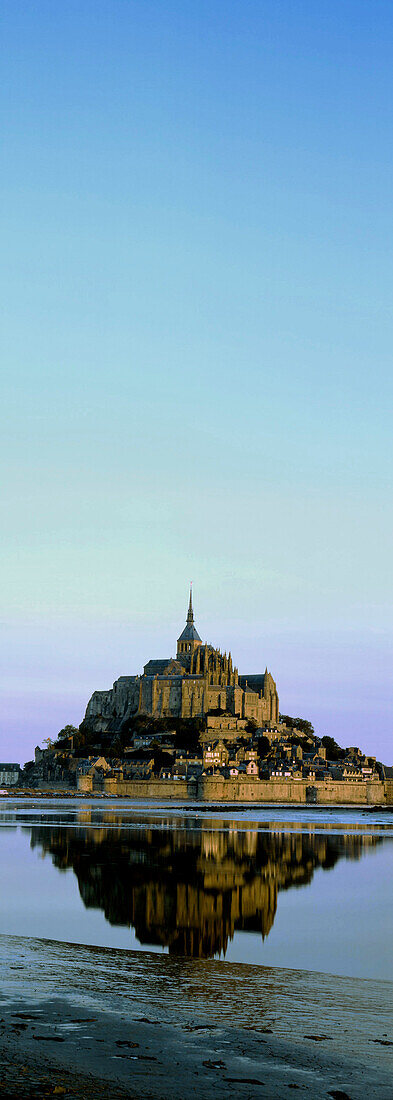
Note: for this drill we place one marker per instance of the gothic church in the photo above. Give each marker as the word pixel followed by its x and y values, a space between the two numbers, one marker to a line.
pixel 199 681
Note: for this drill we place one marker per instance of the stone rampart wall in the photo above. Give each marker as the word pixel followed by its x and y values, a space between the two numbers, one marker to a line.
pixel 149 788
pixel 389 791
pixel 212 789
pixel 85 783
pixel 348 792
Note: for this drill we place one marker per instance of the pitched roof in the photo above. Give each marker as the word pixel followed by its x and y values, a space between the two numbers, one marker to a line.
pixel 190 634
pixel 387 771
pixel 252 682
pixel 156 668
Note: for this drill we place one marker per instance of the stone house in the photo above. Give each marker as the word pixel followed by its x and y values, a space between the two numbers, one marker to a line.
pixel 280 771
pixel 9 774
pixel 252 768
pixel 179 771
pixel 215 755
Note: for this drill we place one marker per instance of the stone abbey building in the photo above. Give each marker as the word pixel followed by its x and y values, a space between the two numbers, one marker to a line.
pixel 199 681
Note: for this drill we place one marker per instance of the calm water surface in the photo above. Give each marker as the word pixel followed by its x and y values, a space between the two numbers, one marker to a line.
pixel 305 889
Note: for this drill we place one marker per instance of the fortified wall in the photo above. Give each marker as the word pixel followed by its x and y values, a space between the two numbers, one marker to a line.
pixel 217 789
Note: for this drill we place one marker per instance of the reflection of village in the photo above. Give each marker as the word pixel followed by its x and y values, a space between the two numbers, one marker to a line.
pixel 191 887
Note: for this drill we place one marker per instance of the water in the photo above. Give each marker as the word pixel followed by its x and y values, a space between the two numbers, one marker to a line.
pixel 308 889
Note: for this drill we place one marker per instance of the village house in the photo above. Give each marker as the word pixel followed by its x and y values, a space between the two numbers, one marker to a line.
pixel 165 773
pixel 252 768
pixel 215 755
pixel 9 774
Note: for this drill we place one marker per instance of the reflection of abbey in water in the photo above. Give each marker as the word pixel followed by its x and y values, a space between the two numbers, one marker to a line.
pixel 191 888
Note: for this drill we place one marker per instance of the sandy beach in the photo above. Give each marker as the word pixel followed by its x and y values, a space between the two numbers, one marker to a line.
pixel 84 1021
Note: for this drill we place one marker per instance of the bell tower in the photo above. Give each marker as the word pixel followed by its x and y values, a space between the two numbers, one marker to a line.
pixel 189 639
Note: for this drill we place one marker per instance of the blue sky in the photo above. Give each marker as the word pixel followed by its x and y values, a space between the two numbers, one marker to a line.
pixel 196 381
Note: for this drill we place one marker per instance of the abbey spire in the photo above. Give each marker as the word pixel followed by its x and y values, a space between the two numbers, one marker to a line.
pixel 189 639
pixel 190 613
pixel 201 682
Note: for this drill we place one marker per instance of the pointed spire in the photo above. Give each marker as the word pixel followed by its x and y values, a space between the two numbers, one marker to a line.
pixel 190 613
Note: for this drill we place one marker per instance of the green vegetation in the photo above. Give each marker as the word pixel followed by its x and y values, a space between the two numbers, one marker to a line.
pixel 298 724
pixel 68 731
pixel 88 741
pixel 187 734
pixel 161 759
pixel 252 725
pixel 116 747
pixel 333 750
pixel 263 747
pixel 139 724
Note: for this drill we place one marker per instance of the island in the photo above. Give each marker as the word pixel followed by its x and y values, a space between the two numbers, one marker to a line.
pixel 191 727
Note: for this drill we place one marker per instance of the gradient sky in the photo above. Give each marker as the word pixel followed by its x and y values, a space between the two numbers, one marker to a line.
pixel 196 340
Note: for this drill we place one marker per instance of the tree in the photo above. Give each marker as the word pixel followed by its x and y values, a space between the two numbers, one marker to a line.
pixel 333 751
pixel 263 747
pixel 86 738
pixel 252 725
pixel 68 731
pixel 187 733
pixel 162 759
pixel 116 747
pixel 301 724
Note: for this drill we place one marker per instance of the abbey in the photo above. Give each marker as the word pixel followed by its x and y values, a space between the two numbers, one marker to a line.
pixel 199 681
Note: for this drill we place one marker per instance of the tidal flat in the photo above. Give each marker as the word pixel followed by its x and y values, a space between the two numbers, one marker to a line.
pixel 156 952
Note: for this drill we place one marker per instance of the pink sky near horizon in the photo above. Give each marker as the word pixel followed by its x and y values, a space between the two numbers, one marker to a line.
pixel 340 688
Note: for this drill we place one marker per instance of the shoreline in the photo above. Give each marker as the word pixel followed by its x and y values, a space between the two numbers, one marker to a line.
pixel 199 806
pixel 108 1023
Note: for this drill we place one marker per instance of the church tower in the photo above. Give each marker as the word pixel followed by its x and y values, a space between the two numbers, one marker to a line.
pixel 189 639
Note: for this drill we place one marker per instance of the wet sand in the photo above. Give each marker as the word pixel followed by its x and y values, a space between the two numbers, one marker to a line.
pixel 81 1021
